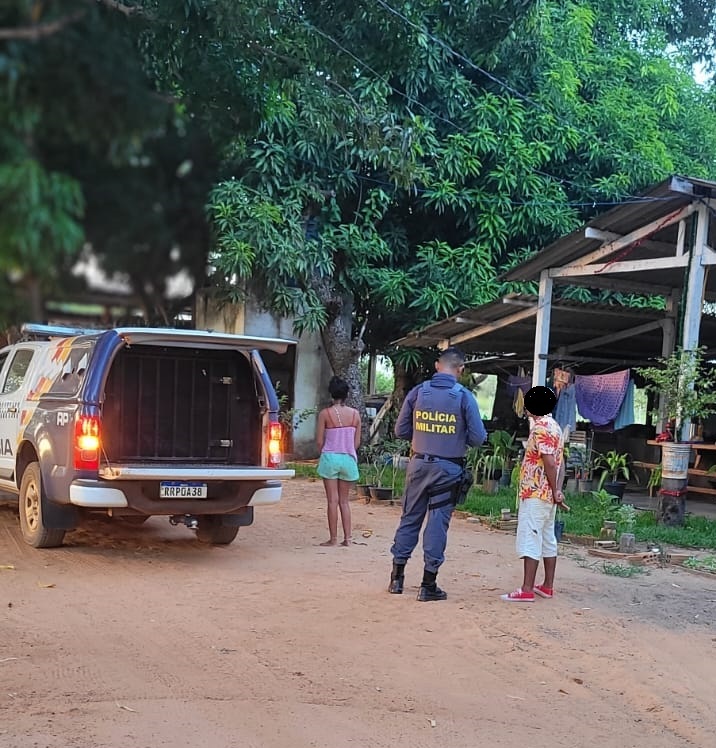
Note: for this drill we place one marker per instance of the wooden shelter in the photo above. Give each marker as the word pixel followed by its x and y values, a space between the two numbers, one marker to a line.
pixel 656 244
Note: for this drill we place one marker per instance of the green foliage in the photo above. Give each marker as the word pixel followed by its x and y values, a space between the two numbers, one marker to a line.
pixel 686 383
pixel 587 514
pixel 615 465
pixel 622 570
pixel 705 563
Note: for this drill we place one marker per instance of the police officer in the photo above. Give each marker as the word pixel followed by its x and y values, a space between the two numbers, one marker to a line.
pixel 442 419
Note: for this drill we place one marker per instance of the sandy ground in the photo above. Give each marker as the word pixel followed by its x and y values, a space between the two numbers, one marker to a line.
pixel 143 638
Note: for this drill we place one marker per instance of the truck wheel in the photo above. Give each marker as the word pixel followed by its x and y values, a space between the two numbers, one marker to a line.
pixel 211 530
pixel 31 507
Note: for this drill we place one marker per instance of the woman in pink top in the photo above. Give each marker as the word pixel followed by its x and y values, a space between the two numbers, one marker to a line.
pixel 338 437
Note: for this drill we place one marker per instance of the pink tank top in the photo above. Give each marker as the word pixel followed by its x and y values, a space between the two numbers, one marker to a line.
pixel 340 439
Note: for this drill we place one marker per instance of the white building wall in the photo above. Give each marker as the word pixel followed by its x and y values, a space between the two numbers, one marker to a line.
pixel 312 374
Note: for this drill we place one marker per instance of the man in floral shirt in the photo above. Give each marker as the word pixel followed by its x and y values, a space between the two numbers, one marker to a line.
pixel 540 493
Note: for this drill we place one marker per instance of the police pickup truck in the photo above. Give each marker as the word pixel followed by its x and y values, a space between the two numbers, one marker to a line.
pixel 136 422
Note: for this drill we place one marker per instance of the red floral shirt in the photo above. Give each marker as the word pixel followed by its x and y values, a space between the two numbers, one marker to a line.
pixel 545 438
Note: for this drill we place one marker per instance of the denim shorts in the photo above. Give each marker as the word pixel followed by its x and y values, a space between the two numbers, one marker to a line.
pixel 338 465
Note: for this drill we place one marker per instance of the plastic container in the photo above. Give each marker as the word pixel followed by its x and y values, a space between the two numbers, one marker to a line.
pixel 675 460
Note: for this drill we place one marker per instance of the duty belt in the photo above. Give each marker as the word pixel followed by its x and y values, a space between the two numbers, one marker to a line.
pixel 431 458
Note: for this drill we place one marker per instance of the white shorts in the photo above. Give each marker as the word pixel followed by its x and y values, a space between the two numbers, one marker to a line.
pixel 535 529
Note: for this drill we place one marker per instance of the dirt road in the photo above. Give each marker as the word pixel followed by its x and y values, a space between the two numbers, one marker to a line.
pixel 143 638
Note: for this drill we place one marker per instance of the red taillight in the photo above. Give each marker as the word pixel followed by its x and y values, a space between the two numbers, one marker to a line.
pixel 274 445
pixel 87 443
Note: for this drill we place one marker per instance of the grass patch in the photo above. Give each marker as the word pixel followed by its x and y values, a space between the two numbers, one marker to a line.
pixel 586 519
pixel 620 570
pixel 707 563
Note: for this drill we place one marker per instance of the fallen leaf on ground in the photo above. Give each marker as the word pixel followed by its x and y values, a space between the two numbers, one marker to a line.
pixel 578 680
pixel 7 567
pixel 126 708
pixel 561 690
pixel 367 533
pixel 45 586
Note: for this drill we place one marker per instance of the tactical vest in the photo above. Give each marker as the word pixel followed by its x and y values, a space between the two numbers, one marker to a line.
pixel 438 421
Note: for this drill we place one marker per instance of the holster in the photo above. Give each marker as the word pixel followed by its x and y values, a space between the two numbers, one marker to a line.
pixel 457 489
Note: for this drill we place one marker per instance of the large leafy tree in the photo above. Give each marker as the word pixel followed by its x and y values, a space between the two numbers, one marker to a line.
pixel 92 150
pixel 406 156
pixel 382 161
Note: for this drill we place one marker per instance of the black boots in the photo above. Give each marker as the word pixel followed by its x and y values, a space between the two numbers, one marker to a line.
pixel 397 577
pixel 429 589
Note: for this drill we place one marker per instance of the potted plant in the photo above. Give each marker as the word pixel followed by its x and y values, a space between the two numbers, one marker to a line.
pixel 584 471
pixel 382 490
pixel 487 465
pixel 614 465
pixel 687 390
pixel 654 480
pixel 504 449
pixel 367 456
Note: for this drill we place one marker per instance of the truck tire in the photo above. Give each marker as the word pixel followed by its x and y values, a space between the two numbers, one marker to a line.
pixel 211 530
pixel 31 510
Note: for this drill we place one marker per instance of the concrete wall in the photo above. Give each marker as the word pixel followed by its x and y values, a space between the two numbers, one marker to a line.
pixel 312 370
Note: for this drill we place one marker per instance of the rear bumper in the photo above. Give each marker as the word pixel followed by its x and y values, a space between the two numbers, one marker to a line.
pixel 142 496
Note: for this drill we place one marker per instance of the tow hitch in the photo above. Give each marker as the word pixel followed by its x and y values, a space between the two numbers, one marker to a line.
pixel 189 520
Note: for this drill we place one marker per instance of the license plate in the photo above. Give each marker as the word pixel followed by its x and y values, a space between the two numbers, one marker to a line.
pixel 182 490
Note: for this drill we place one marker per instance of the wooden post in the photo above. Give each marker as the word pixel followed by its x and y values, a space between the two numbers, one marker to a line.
pixel 372 368
pixel 544 314
pixel 668 343
pixel 695 291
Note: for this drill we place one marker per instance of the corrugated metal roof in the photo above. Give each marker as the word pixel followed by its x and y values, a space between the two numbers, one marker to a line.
pixel 658 202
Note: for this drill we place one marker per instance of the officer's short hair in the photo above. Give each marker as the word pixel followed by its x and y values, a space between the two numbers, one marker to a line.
pixel 453 357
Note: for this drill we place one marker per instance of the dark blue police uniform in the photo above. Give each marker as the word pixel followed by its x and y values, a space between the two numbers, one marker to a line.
pixel 441 418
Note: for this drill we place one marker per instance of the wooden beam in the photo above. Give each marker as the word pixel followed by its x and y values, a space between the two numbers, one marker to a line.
pixel 375 426
pixel 583 308
pixel 617 284
pixel 681 238
pixel 643 231
pixel 598 360
pixel 488 327
pixel 610 236
pixel 708 257
pixel 628 266
pixel 544 315
pixel 614 336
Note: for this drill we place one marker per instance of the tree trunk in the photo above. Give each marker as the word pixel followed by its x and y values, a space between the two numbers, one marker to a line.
pixel 403 382
pixel 35 299
pixel 344 352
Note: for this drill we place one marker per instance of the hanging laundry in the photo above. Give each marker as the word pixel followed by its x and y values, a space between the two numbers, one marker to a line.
pixel 561 379
pixel 518 404
pixel 625 416
pixel 565 412
pixel 518 383
pixel 600 396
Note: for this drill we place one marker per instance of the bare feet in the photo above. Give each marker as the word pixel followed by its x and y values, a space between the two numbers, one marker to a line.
pixel 332 541
pixel 347 542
